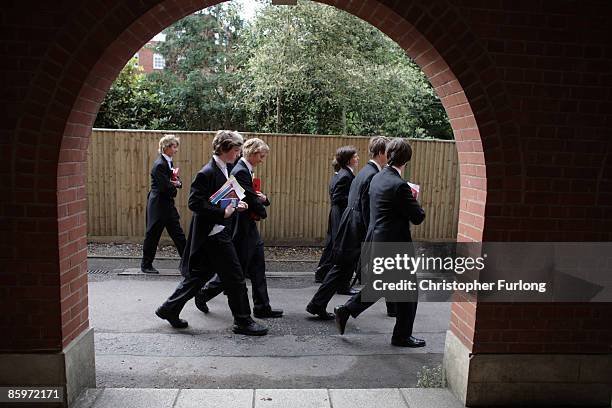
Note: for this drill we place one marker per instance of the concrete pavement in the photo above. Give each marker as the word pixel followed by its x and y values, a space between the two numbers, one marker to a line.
pixel 135 350
pixel 268 398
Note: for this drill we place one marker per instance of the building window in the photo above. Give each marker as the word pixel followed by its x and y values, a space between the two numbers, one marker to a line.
pixel 158 61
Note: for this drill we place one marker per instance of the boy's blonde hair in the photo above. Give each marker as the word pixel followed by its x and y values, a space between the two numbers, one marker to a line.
pixel 254 146
pixel 167 141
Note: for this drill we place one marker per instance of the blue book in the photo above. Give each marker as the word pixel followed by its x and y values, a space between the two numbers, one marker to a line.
pixel 224 202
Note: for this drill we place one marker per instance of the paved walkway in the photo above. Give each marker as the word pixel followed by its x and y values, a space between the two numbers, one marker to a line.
pixel 143 362
pixel 268 398
pixel 135 349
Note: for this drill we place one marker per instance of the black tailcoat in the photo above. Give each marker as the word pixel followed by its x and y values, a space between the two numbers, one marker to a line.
pixel 338 193
pixel 205 215
pixel 246 235
pixel 161 212
pixel 161 196
pixel 248 244
pixel 339 187
pixel 392 208
pixel 356 217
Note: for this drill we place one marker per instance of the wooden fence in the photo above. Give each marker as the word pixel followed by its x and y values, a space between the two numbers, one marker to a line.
pixel 295 177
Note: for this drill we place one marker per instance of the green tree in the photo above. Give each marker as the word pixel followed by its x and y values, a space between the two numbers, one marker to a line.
pixel 131 103
pixel 314 69
pixel 200 77
pixel 308 69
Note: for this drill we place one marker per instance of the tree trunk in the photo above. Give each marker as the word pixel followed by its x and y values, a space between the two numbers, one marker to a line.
pixel 278 112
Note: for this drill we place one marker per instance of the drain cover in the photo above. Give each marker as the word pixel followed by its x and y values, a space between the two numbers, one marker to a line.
pixel 97 272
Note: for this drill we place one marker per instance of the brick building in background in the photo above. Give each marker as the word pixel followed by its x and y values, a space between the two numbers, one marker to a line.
pixel 527 86
pixel 148 59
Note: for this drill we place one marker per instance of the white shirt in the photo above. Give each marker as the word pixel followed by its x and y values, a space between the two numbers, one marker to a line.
pixel 376 164
pixel 168 159
pixel 221 164
pixel 249 165
pixel 398 170
pixel 217 228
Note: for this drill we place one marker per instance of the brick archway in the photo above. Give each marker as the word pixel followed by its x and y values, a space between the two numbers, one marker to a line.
pixel 463 120
pixel 476 59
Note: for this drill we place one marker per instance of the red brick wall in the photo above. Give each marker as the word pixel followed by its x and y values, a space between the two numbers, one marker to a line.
pixel 543 328
pixel 554 182
pixel 526 84
pixel 145 59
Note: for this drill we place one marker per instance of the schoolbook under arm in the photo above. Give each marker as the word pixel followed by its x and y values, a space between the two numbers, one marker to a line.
pixel 225 202
pixel 230 189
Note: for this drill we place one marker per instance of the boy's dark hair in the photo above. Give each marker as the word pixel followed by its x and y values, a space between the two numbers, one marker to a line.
pixel 226 140
pixel 399 152
pixel 377 145
pixel 344 155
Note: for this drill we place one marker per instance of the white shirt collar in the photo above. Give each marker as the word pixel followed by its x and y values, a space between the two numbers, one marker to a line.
pixel 168 158
pixel 222 165
pixel 249 165
pixel 398 170
pixel 376 164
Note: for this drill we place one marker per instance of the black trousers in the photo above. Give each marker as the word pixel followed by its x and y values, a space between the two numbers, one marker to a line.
pixel 254 265
pixel 337 278
pixel 217 256
pixel 171 222
pixel 406 312
pixel 325 263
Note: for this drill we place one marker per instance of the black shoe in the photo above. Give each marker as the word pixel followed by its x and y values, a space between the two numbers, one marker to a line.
pixel 342 315
pixel 319 311
pixel 270 313
pixel 348 291
pixel 148 269
pixel 408 342
pixel 201 304
pixel 174 320
pixel 250 328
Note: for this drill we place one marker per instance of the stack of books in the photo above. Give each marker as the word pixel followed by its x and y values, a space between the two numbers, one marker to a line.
pixel 230 193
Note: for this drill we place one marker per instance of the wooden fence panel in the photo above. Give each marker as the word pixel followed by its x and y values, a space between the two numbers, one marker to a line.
pixel 295 176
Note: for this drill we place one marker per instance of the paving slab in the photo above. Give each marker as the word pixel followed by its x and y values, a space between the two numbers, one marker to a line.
pixel 268 398
pixel 136 398
pixel 214 399
pixel 430 397
pixel 285 398
pixel 360 398
pixel 87 398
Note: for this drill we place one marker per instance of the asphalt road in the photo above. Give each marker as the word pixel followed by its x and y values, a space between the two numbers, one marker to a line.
pixel 134 348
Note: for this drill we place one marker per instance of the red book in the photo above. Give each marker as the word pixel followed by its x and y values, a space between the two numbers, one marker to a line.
pixel 416 190
pixel 257 184
pixel 175 173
